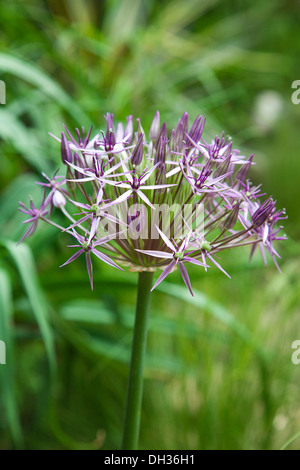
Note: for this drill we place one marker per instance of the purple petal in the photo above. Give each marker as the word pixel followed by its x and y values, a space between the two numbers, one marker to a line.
pixel 173 172
pixel 78 237
pixel 54 137
pixel 105 258
pixel 118 184
pixel 30 231
pixel 83 219
pixel 123 197
pixel 73 257
pixel 185 241
pixel 32 219
pixel 78 168
pixel 94 228
pixel 149 173
pixel 84 180
pixel 166 240
pixel 89 267
pixel 107 238
pixel 185 277
pixel 195 261
pixel 145 199
pixel 115 167
pixel 79 204
pixel 156 254
pixel 99 196
pixel 154 129
pixel 137 154
pixel 159 186
pixel 66 153
pixel 164 274
pixel 113 219
pixel 217 264
pixel 87 137
pixel 263 255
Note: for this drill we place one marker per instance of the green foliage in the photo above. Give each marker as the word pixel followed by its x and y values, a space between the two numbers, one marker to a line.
pixel 219 373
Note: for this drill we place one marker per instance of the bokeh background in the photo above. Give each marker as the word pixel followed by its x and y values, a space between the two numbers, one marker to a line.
pixel 219 373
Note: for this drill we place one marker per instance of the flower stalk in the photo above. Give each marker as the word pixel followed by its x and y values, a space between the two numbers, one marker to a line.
pixel 135 381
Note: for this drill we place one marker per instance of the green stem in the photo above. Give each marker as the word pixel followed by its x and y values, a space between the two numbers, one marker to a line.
pixel 135 382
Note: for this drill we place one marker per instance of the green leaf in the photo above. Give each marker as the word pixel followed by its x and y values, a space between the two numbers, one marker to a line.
pixel 23 259
pixel 95 312
pixel 290 441
pixel 32 74
pixel 18 190
pixel 91 312
pixel 87 311
pixel 7 373
pixel 23 140
pixel 217 311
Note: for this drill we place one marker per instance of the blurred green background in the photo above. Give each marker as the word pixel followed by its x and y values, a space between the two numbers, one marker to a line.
pixel 219 373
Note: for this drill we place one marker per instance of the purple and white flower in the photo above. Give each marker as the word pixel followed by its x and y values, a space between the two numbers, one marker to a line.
pixel 120 179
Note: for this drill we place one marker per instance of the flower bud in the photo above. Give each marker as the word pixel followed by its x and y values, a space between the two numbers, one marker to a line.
pixel 140 127
pixel 154 129
pixel 110 132
pixel 222 168
pixel 59 199
pixel 137 154
pixel 243 171
pixel 160 156
pixel 230 222
pixel 197 129
pixel 128 133
pixel 66 153
pixel 263 212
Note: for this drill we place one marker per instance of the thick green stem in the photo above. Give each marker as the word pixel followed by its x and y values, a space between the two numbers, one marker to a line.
pixel 135 381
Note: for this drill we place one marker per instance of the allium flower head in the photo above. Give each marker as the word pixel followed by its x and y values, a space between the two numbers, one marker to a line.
pixel 159 201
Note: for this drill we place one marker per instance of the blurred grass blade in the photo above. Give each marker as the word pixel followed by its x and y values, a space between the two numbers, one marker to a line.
pixel 119 29
pixel 7 375
pixel 177 15
pixel 200 300
pixel 94 312
pixel 24 262
pixel 17 190
pixel 23 140
pixel 87 311
pixel 290 441
pixel 30 73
